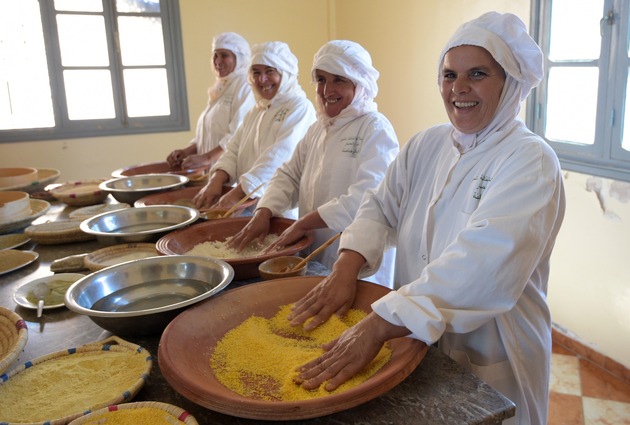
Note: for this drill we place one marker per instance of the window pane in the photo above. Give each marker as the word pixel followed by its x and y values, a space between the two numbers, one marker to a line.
pixel 82 40
pixel 147 92
pixel 25 94
pixel 625 140
pixel 572 104
pixel 89 94
pixel 79 5
pixel 575 29
pixel 126 6
pixel 141 41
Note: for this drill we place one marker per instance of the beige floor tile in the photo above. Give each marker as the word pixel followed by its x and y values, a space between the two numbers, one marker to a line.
pixel 605 412
pixel 565 375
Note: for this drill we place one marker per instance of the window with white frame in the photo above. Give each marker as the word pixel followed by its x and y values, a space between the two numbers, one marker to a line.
pixel 84 68
pixel 581 107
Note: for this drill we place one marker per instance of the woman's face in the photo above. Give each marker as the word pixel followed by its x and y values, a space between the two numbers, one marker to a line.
pixel 471 82
pixel 224 62
pixel 336 92
pixel 266 80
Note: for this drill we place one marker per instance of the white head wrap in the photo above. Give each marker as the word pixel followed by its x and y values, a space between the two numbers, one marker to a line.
pixel 349 60
pixel 240 47
pixel 236 44
pixel 277 54
pixel 505 37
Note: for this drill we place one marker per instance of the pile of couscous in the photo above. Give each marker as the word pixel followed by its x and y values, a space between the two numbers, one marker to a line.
pixel 258 359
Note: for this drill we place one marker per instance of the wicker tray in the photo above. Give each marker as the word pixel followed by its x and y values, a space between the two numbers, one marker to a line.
pixel 45 176
pixel 80 193
pixel 13 240
pixel 117 254
pixel 51 400
pixel 92 210
pixel 100 416
pixel 14 259
pixel 58 232
pixel 38 208
pixel 13 337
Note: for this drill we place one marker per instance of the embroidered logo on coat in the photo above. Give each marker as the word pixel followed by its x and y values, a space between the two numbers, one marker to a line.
pixel 481 185
pixel 281 115
pixel 351 145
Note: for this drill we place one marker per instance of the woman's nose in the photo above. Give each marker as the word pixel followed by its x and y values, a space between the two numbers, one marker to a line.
pixel 460 85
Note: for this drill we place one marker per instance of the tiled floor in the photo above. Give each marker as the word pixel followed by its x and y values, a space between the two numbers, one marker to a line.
pixel 583 393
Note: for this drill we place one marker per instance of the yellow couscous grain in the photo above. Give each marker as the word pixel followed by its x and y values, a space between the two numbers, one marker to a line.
pixel 136 416
pixel 259 358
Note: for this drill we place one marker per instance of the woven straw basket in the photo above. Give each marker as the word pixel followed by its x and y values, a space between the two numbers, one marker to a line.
pixel 180 414
pixel 13 336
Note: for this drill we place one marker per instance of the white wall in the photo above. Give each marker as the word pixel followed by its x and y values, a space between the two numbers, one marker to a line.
pixel 589 289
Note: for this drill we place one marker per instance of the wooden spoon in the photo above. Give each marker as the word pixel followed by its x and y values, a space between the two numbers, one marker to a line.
pixel 317 251
pixel 245 198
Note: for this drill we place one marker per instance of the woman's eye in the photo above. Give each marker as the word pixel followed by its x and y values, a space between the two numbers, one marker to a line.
pixel 477 74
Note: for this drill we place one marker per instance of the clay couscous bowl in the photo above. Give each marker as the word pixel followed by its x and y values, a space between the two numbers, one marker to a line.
pixel 185 196
pixel 155 168
pixel 279 267
pixel 181 241
pixel 189 340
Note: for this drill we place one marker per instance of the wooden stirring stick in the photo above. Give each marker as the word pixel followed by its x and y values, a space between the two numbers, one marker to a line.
pixel 245 198
pixel 317 251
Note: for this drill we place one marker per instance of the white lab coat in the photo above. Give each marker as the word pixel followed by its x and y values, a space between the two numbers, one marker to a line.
pixel 266 138
pixel 221 118
pixel 331 169
pixel 475 234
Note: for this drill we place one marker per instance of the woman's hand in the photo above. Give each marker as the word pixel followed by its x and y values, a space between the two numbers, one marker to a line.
pixel 228 200
pixel 333 295
pixel 291 234
pixel 211 192
pixel 256 228
pixel 175 158
pixel 194 161
pixel 348 354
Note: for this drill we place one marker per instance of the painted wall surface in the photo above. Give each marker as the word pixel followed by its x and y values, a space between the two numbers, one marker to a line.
pixel 589 289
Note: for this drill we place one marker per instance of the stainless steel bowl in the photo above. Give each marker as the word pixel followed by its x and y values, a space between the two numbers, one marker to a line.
pixel 141 297
pixel 129 189
pixel 144 224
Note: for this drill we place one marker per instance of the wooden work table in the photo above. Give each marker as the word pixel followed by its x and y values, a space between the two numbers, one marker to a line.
pixel 438 391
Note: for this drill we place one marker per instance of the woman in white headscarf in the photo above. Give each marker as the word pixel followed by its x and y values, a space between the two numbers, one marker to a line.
pixel 269 133
pixel 476 206
pixel 343 154
pixel 229 99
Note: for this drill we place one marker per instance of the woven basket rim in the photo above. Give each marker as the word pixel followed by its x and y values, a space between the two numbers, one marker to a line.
pixel 18 329
pixel 39 207
pixel 69 231
pixel 177 412
pixel 94 260
pixel 112 343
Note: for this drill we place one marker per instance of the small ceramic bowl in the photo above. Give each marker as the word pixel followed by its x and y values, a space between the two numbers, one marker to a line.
pixel 14 205
pixel 18 176
pixel 279 267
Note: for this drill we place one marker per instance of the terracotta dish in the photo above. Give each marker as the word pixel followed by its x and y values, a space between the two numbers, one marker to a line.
pixel 181 241
pixel 189 340
pixel 184 197
pixel 155 167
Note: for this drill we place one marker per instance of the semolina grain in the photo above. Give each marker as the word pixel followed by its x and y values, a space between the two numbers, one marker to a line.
pixel 258 359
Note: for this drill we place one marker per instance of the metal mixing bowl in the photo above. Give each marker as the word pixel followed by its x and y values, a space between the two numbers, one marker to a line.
pixel 144 224
pixel 129 189
pixel 141 297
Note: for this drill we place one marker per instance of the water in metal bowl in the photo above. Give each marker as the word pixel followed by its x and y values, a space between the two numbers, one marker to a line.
pixel 141 297
pixel 144 224
pixel 129 189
